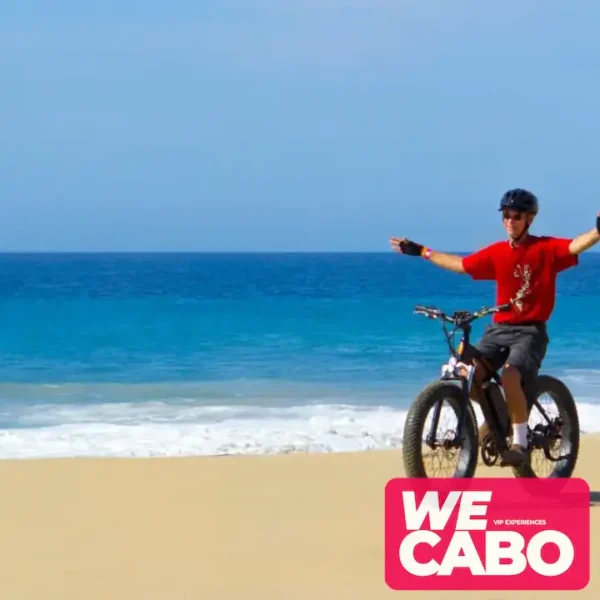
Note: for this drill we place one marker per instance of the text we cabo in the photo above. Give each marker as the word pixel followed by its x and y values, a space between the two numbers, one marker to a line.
pixel 487 534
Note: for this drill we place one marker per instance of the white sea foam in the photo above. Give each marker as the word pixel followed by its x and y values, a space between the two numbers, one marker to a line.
pixel 167 429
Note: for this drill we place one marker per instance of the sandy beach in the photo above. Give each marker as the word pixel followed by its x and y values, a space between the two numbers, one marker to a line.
pixel 263 527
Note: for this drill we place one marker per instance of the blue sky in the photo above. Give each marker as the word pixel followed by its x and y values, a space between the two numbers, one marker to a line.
pixel 249 125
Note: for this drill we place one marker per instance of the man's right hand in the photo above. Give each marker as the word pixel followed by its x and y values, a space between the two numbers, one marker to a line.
pixel 404 246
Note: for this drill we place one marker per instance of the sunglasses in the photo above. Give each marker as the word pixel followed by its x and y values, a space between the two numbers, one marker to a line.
pixel 514 217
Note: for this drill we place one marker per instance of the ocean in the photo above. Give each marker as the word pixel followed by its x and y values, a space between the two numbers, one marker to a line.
pixel 202 354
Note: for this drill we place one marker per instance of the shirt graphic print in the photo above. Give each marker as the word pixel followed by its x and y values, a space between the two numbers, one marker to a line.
pixel 524 274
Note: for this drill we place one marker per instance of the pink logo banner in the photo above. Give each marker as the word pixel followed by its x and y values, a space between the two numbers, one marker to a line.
pixel 487 534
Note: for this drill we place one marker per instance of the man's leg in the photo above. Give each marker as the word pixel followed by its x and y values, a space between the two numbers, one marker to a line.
pixel 517 403
pixel 493 353
pixel 527 351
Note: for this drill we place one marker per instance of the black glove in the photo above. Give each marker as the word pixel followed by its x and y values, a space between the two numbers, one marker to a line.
pixel 410 248
pixel 598 222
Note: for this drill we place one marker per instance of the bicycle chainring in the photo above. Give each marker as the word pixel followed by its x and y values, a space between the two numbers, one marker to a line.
pixel 489 451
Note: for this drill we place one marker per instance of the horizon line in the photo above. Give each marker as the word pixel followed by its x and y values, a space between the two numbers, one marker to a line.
pixel 9 252
pixel 38 252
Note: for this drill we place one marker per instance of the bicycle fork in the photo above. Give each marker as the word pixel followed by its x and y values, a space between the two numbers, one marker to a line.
pixel 450 372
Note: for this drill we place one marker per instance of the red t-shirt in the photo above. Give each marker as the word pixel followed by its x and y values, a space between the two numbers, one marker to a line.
pixel 525 273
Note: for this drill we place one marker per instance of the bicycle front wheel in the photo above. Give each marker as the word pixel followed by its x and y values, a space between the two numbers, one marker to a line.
pixel 450 450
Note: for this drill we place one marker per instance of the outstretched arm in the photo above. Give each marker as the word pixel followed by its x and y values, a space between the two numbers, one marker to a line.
pixel 451 262
pixel 586 240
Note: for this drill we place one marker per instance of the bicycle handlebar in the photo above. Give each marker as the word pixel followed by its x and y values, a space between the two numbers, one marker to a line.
pixel 459 317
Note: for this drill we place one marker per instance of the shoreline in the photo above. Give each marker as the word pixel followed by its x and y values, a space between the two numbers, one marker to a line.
pixel 394 450
pixel 324 432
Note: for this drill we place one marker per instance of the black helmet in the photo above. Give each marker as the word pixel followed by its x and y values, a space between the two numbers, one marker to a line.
pixel 520 200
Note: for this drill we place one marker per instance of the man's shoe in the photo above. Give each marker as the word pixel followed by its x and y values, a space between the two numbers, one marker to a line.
pixel 515 456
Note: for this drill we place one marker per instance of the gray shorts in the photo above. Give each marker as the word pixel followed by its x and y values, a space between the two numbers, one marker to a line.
pixel 521 346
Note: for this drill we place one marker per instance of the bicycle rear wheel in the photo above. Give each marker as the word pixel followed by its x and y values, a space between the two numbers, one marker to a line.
pixel 555 437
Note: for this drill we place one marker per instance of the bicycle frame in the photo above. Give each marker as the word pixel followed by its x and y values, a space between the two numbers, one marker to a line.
pixel 462 359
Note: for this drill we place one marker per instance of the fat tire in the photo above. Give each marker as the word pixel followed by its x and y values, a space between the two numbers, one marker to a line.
pixel 415 421
pixel 560 393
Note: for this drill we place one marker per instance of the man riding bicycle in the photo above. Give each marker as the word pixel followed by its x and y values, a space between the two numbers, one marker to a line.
pixel 525 268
